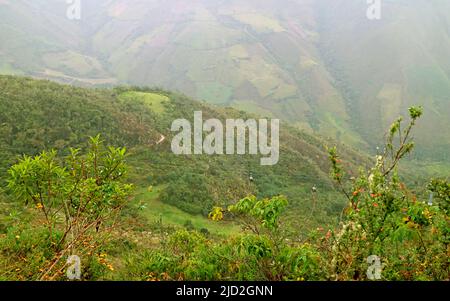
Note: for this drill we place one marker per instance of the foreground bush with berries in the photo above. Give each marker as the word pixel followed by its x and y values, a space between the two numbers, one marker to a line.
pixel 409 235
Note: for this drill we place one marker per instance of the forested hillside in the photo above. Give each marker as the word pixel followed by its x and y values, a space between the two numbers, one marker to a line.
pixel 41 115
pixel 290 59
pixel 88 175
pixel 98 180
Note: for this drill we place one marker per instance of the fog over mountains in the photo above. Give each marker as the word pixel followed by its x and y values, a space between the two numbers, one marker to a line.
pixel 322 65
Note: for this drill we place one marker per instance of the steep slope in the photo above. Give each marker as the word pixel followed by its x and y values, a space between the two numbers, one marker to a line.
pixel 321 65
pixel 393 63
pixel 37 115
pixel 256 57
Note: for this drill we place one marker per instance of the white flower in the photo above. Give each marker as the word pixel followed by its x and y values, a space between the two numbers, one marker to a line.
pixel 379 161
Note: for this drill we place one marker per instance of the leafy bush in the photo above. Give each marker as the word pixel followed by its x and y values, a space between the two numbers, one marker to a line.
pixel 385 219
pixel 73 203
pixel 78 198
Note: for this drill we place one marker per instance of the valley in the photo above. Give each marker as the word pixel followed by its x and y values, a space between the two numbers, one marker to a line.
pixel 289 62
pixel 224 140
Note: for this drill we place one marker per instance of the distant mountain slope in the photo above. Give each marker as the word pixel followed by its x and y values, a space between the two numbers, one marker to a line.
pixel 398 61
pixel 37 115
pixel 319 64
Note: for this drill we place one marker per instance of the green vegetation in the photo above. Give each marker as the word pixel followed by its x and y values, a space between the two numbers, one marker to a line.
pixel 155 101
pixel 289 60
pixel 411 238
pixel 60 117
pixel 155 211
pixel 199 217
pixel 89 172
pixel 78 201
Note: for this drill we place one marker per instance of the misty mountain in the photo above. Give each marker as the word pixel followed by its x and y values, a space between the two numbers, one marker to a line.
pixel 322 65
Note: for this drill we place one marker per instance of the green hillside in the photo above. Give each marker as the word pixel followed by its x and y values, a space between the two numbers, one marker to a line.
pixel 143 213
pixel 129 209
pixel 92 187
pixel 59 117
pixel 392 64
pixel 289 60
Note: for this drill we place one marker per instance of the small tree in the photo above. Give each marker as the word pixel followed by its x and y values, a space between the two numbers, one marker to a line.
pixel 265 243
pixel 385 219
pixel 79 197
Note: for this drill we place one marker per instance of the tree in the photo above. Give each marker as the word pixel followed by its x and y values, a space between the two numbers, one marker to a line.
pixel 78 197
pixel 384 219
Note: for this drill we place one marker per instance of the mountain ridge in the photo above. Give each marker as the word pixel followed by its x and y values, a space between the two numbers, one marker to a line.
pixel 322 66
pixel 62 116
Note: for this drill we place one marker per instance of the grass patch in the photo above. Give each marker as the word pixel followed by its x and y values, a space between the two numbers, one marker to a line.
pixel 155 210
pixel 154 101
